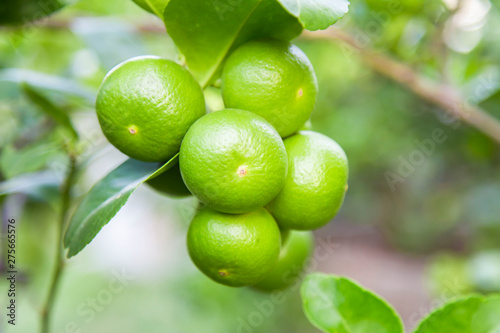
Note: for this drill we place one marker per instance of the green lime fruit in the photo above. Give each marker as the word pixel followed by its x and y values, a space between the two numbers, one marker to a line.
pixel 284 235
pixel 170 183
pixel 273 79
pixel 296 249
pixel 307 126
pixel 316 183
pixel 145 105
pixel 234 250
pixel 233 161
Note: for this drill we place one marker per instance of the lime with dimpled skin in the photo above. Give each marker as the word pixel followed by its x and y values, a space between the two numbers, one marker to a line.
pixel 233 161
pixel 296 248
pixel 234 250
pixel 273 79
pixel 316 183
pixel 146 104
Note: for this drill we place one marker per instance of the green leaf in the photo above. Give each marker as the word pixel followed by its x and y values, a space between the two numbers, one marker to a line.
pixel 45 81
pixel 25 11
pixel 153 6
pixel 316 14
pixel 49 108
pixel 41 185
pixel 106 198
pixel 337 305
pixel 491 103
pixel 37 156
pixel 467 315
pixel 206 31
pixel 112 41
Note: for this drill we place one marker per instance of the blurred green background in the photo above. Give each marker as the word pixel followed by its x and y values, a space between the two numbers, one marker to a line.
pixel 431 237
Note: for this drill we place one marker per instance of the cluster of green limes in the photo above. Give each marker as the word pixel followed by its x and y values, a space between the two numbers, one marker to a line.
pixel 263 183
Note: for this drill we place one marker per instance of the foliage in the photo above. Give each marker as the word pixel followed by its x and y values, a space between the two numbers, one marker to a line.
pixel 25 11
pixel 106 198
pixel 338 305
pixel 215 36
pixel 446 202
pixel 224 25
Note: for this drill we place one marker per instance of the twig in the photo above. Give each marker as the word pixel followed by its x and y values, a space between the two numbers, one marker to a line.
pixel 59 260
pixel 442 95
pixel 155 26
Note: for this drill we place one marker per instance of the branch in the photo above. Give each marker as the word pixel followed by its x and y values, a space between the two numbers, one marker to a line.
pixel 442 95
pixel 59 263
pixel 154 26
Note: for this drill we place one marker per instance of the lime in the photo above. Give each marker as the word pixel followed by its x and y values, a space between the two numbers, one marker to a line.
pixel 296 249
pixel 235 250
pixel 284 235
pixel 273 79
pixel 170 183
pixel 146 104
pixel 316 183
pixel 233 161
pixel 307 126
